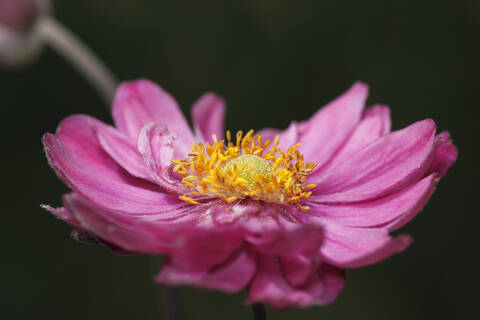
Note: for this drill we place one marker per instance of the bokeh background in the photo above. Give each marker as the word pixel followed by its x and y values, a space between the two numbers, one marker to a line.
pixel 274 61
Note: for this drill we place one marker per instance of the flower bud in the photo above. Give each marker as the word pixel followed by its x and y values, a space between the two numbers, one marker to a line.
pixel 20 41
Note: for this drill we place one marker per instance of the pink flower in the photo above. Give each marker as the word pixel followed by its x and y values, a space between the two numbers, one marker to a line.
pixel 245 214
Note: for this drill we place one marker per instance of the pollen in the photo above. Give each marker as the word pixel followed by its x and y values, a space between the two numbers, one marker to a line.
pixel 245 168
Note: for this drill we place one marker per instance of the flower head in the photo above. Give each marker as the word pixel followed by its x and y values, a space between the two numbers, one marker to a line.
pixel 19 35
pixel 279 213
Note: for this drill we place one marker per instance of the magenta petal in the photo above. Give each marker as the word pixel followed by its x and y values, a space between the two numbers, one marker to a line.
pixel 199 248
pixel 208 115
pixel 348 247
pixel 105 188
pixel 374 125
pixel 230 276
pixel 269 286
pixel 297 268
pixel 140 102
pixel 406 202
pixel 283 237
pixel 445 155
pixel 123 231
pixel 124 151
pixel 77 135
pixel 327 130
pixel 386 165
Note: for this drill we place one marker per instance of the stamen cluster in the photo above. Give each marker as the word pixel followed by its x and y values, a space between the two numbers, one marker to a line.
pixel 248 168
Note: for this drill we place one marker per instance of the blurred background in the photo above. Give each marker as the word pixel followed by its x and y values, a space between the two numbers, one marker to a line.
pixel 273 61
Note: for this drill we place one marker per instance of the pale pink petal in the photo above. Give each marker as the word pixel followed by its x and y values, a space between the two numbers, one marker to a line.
pixel 406 202
pixel 445 155
pixel 384 166
pixel 269 286
pixel 348 247
pixel 124 151
pixel 232 275
pixel 156 145
pixel 103 182
pixel 208 115
pixel 140 102
pixel 374 125
pixel 328 129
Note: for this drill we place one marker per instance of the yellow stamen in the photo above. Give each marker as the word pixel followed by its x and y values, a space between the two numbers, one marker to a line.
pixel 250 167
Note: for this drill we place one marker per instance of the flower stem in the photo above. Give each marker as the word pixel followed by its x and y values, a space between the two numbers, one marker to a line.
pixel 259 311
pixel 80 56
pixel 167 294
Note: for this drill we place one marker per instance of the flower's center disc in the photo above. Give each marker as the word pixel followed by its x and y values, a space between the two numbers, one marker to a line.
pixel 251 167
pixel 248 168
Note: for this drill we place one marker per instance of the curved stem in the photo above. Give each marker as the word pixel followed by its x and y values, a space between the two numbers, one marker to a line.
pixel 259 312
pixel 80 56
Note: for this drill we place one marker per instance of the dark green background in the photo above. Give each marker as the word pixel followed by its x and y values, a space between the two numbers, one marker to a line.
pixel 274 61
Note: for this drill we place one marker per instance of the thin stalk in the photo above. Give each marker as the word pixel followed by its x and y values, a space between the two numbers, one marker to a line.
pixel 168 295
pixel 80 56
pixel 259 311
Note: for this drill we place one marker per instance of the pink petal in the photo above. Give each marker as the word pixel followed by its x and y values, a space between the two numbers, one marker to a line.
pixel 407 202
pixel 230 276
pixel 124 151
pixel 156 145
pixel 62 214
pixel 269 286
pixel 78 136
pixel 208 115
pixel 272 234
pixel 374 125
pixel 200 247
pixel 123 231
pixel 140 102
pixel 99 179
pixel 390 163
pixel 297 268
pixel 348 247
pixel 445 155
pixel 286 138
pixel 330 127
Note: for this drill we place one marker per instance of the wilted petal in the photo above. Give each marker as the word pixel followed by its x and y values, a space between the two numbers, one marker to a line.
pixel 208 115
pixel 392 162
pixel 140 102
pixel 232 275
pixel 269 286
pixel 327 130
